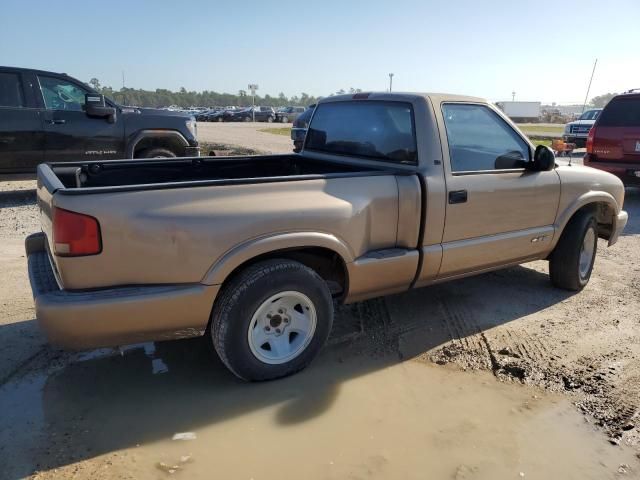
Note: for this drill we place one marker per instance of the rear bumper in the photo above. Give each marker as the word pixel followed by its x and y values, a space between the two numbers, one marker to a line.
pixel 624 171
pixel 113 316
pixel 621 222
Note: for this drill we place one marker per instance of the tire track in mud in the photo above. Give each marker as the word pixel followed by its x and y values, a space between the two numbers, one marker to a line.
pixel 521 356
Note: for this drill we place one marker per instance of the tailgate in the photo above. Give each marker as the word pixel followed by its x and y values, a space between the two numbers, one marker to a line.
pixel 619 144
pixel 631 143
pixel 47 185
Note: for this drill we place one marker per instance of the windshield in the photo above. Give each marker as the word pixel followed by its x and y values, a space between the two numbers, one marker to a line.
pixel 590 115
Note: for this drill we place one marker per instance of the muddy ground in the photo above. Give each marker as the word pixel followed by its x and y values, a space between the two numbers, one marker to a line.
pixel 583 347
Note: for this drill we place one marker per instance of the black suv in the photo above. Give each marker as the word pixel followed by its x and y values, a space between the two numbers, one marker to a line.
pixel 262 114
pixel 52 117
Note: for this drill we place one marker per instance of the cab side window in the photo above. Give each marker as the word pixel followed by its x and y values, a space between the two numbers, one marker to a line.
pixel 11 94
pixel 60 94
pixel 480 140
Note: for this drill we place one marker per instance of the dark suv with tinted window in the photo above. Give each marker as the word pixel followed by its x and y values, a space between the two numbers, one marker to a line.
pixel 613 143
pixel 52 117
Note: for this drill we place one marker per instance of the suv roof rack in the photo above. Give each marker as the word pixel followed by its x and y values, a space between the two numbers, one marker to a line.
pixel 633 90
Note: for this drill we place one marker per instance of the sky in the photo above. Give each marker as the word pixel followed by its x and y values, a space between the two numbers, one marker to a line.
pixel 543 50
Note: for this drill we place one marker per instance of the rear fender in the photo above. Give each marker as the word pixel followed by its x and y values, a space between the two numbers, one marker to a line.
pixel 245 251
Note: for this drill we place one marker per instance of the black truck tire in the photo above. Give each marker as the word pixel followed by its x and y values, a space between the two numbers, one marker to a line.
pixel 271 320
pixel 156 153
pixel 572 260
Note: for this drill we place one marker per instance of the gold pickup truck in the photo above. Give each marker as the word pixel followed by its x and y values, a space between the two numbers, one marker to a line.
pixel 391 192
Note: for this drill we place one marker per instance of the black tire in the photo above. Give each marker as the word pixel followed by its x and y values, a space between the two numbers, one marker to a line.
pixel 156 153
pixel 269 119
pixel 247 119
pixel 241 298
pixel 285 119
pixel 564 262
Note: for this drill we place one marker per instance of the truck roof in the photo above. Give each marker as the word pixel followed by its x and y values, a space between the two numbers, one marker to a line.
pixel 31 70
pixel 403 96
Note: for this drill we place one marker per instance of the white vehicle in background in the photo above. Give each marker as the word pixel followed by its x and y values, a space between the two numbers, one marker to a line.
pixel 577 131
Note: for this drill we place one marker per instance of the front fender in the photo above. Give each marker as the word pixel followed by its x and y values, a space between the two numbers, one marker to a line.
pixel 236 256
pixel 592 197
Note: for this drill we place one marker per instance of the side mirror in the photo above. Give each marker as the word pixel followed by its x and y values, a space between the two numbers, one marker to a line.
pixel 543 159
pixel 95 106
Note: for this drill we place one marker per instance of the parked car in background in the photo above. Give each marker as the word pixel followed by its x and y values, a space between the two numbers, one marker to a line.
pixel 203 116
pixel 52 117
pixel 613 143
pixel 262 114
pixel 217 115
pixel 391 192
pixel 289 114
pixel 299 129
pixel 576 131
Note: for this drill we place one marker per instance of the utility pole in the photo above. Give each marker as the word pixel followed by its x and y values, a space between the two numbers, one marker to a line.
pixel 390 81
pixel 513 96
pixel 122 78
pixel 253 87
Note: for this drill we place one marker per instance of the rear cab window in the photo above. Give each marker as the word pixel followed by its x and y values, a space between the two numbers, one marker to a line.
pixel 378 130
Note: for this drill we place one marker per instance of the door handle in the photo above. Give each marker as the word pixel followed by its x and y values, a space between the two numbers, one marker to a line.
pixel 57 121
pixel 458 196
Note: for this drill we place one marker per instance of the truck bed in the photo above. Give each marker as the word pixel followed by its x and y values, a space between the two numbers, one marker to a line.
pixel 123 175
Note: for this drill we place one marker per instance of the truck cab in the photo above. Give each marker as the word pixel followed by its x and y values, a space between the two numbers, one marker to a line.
pixel 44 118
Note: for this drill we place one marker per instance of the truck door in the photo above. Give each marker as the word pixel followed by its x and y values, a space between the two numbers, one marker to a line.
pixel 69 133
pixel 497 212
pixel 21 135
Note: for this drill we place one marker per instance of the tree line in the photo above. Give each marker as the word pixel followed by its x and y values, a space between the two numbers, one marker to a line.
pixel 163 98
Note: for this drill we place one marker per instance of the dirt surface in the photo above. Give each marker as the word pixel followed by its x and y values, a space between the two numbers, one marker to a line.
pixel 106 415
pixel 247 134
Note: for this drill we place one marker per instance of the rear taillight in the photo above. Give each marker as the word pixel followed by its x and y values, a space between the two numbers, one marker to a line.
pixel 590 137
pixel 75 234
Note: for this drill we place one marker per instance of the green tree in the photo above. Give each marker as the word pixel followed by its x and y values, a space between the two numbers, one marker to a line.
pixel 95 83
pixel 601 100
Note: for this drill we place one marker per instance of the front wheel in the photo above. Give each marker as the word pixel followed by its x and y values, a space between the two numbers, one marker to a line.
pixel 571 262
pixel 285 119
pixel 156 153
pixel 271 320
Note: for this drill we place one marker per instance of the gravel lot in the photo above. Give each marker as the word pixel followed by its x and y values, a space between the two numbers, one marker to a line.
pixel 511 323
pixel 247 135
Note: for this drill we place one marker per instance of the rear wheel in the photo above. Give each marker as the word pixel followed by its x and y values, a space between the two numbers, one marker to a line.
pixel 269 119
pixel 156 153
pixel 571 262
pixel 271 320
pixel 285 119
pixel 247 119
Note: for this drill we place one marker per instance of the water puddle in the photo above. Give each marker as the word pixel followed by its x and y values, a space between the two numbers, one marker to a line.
pixel 352 415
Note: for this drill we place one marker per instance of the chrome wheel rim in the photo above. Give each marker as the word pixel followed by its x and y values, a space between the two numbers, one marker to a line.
pixel 586 252
pixel 282 327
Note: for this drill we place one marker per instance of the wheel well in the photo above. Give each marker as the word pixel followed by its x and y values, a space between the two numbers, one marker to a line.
pixel 325 262
pixel 170 143
pixel 604 214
